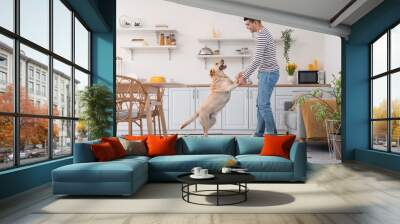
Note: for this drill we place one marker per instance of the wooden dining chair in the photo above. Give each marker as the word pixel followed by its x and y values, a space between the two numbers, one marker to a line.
pixel 131 98
pixel 130 102
pixel 156 102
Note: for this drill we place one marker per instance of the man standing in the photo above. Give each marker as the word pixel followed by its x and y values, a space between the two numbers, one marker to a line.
pixel 268 75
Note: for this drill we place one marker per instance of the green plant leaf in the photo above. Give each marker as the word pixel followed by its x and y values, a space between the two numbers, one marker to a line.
pixel 97 103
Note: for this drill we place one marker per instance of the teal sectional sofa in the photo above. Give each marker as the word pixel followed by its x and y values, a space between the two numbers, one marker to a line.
pixel 125 176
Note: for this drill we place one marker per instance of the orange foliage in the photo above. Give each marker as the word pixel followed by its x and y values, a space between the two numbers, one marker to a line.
pixel 33 130
pixel 380 127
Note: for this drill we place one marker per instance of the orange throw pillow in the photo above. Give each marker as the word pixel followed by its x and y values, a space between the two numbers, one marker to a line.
pixel 103 152
pixel 116 145
pixel 135 137
pixel 161 145
pixel 277 145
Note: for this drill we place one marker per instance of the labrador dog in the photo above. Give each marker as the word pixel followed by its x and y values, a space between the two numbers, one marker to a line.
pixel 220 93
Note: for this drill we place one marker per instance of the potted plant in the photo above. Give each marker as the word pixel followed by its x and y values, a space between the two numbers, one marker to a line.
pixel 97 104
pixel 331 116
pixel 288 40
pixel 290 69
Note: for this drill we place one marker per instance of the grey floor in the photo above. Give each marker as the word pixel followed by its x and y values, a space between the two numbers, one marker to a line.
pixel 318 153
pixel 378 189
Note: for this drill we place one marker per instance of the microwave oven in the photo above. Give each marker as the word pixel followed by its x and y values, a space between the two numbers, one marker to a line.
pixel 311 77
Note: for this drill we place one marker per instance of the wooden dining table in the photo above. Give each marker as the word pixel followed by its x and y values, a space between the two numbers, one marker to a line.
pixel 157 89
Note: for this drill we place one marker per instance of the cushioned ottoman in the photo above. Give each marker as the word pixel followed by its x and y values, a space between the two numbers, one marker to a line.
pixel 119 177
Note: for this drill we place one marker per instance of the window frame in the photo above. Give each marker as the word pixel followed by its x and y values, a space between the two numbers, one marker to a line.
pixel 16 114
pixel 388 74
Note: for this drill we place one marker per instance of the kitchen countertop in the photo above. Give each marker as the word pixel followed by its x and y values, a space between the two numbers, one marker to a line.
pixel 195 85
pixel 277 85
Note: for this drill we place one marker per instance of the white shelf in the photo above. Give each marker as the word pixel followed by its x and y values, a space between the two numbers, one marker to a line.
pixel 150 47
pixel 225 56
pixel 227 39
pixel 154 30
pixel 147 30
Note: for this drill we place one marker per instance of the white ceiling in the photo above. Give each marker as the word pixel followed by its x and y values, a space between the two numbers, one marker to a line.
pixel 320 9
pixel 314 15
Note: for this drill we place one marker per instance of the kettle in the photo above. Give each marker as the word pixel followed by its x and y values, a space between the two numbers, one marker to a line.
pixel 205 51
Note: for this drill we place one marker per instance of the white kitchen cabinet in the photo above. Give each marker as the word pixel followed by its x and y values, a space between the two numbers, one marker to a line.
pixel 201 95
pixel 253 91
pixel 240 113
pixel 280 112
pixel 235 114
pixel 181 106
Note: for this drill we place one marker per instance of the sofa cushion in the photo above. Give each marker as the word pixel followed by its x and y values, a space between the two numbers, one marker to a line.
pixel 83 152
pixel 116 145
pixel 257 163
pixel 112 171
pixel 277 145
pixel 185 163
pixel 249 145
pixel 161 145
pixel 134 147
pixel 135 137
pixel 103 152
pixel 132 158
pixel 196 145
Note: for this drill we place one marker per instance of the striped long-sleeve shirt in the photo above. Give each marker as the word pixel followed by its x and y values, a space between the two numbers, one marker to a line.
pixel 265 55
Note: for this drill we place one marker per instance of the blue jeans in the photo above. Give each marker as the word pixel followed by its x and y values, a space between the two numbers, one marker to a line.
pixel 265 118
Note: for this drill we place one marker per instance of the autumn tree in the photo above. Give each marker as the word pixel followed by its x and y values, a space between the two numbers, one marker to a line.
pixel 380 127
pixel 33 131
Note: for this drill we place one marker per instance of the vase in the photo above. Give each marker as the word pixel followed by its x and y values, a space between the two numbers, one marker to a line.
pixel 334 138
pixel 291 79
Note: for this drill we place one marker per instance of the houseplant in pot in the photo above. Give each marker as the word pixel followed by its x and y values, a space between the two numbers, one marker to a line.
pixel 288 40
pixel 97 104
pixel 290 69
pixel 325 112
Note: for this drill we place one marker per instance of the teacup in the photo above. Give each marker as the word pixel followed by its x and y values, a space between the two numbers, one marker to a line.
pixel 196 171
pixel 203 172
pixel 226 170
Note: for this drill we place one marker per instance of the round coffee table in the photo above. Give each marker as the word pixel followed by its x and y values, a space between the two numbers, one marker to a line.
pixel 238 179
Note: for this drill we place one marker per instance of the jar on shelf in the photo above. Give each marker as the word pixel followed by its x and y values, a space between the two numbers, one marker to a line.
pixel 173 40
pixel 168 40
pixel 162 39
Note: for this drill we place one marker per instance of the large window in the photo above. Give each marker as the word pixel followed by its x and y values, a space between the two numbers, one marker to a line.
pixel 44 64
pixel 7 14
pixel 385 91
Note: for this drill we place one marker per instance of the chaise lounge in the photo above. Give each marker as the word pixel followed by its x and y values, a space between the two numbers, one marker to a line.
pixel 125 176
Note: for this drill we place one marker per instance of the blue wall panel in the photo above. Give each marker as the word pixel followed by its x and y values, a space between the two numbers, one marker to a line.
pixel 377 158
pixel 356 103
pixel 356 85
pixel 24 178
pixel 103 63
